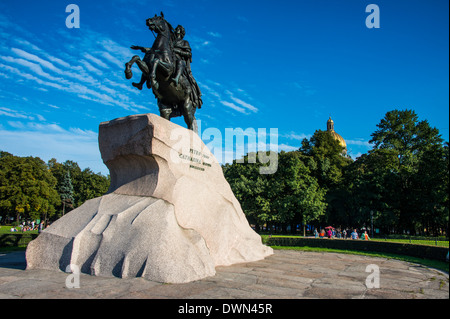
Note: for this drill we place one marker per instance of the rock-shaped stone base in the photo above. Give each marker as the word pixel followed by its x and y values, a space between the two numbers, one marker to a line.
pixel 169 216
pixel 124 236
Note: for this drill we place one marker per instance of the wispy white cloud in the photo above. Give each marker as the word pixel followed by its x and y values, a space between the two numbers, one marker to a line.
pixel 118 51
pixel 234 107
pixel 40 117
pixel 35 58
pixel 242 18
pixel 215 34
pixel 207 90
pixel 113 59
pixel 52 141
pixel 95 60
pixel 198 43
pixel 13 113
pixel 83 84
pixel 244 104
pixel 30 77
pixel 287 148
pixel 27 44
pixel 90 67
pixel 45 127
pixel 225 97
pixel 5 76
pixel 36 68
pixel 240 102
pixel 295 136
pixel 304 88
pixel 359 143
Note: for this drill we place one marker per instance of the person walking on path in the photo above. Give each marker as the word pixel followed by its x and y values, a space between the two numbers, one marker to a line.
pixel 329 233
pixel 366 236
pixel 354 234
pixel 41 227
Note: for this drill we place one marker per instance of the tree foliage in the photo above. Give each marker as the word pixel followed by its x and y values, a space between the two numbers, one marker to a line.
pixel 329 163
pixel 32 189
pixel 66 192
pixel 401 185
pixel 288 197
pixel 86 184
pixel 404 178
pixel 27 187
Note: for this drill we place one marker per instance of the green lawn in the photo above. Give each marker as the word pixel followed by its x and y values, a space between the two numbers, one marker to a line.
pixel 7 230
pixel 441 265
pixel 417 242
pixel 430 242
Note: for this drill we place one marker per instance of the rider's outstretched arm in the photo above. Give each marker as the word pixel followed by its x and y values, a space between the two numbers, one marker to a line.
pixel 143 50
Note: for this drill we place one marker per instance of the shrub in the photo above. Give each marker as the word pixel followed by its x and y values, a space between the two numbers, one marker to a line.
pixel 421 251
pixel 16 240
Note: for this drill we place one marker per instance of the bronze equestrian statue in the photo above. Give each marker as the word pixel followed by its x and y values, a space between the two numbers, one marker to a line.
pixel 166 69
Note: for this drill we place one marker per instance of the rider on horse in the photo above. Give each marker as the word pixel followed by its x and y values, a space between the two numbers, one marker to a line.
pixel 167 71
pixel 183 54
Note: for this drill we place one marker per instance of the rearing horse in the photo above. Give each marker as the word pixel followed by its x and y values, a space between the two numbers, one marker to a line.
pixel 157 67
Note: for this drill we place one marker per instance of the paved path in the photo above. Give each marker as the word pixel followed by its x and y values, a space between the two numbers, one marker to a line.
pixel 286 274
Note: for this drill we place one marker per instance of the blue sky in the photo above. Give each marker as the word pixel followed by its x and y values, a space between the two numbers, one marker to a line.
pixel 263 64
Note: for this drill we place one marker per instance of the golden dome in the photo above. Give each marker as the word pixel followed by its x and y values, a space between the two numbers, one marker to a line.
pixel 330 128
pixel 339 138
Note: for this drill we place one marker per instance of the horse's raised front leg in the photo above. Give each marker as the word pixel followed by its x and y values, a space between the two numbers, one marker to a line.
pixel 145 71
pixel 128 72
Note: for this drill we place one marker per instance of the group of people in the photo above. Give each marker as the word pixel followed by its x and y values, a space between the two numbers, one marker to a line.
pixel 29 226
pixel 344 234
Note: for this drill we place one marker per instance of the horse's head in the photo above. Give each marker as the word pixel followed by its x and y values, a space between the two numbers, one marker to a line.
pixel 158 24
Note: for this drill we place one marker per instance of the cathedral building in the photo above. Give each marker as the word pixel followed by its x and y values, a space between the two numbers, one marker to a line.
pixel 330 129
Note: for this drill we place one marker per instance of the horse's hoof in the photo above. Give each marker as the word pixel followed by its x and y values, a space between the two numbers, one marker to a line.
pixel 128 74
pixel 137 85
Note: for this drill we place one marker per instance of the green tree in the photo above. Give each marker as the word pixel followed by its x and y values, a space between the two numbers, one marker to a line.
pixel 66 192
pixel 369 183
pixel 298 196
pixel 250 189
pixel 403 178
pixel 430 188
pixel 91 185
pixel 27 188
pixel 288 197
pixel 328 154
pixel 86 184
pixel 328 164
